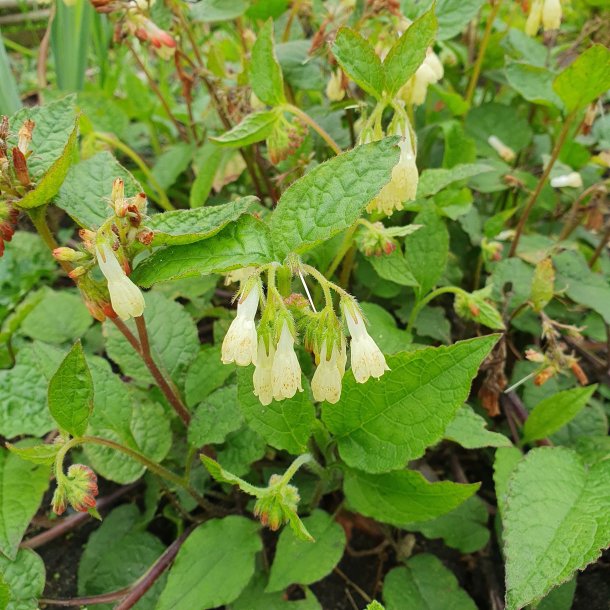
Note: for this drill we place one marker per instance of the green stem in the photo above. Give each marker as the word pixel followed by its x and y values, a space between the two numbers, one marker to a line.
pixel 38 216
pixel 292 469
pixel 151 465
pixel 161 198
pixel 314 125
pixel 472 85
pixel 541 182
pixel 346 244
pixel 421 304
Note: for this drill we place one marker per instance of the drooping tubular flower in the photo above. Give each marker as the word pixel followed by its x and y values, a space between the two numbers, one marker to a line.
pixel 263 373
pixel 547 12
pixel 240 342
pixel 326 381
pixel 335 91
pixel 505 152
pixel 403 182
pixel 416 88
pixel 286 370
pixel 366 358
pixel 126 298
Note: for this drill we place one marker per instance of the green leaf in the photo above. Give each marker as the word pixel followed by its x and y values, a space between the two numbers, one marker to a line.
pixel 505 462
pixel 60 317
pixel 284 424
pixel 206 374
pixel 534 83
pixel 207 160
pixel 240 450
pixel 301 562
pixel 120 416
pixel 253 128
pixel 187 226
pixel 454 15
pixel 254 598
pixel 22 485
pixel 379 426
pixel 53 146
pixel 585 79
pixel 224 476
pixel 217 416
pixel 218 10
pixel 25 577
pixel 173 338
pixel 213 566
pixel 500 120
pixel 71 393
pixel 560 598
pixel 555 522
pixel 117 554
pixel 464 528
pixel 552 413
pixel 37 454
pixel 265 72
pixel 383 329
pixel 409 51
pixel 359 61
pixel 427 250
pixel 241 243
pixel 23 392
pixel 393 267
pixel 424 583
pixel 9 95
pixel 331 197
pixel 581 284
pixel 85 193
pixel 402 496
pixel 172 162
pixel 470 430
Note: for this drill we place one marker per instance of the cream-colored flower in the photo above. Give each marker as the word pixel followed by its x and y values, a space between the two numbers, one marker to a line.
pixel 126 298
pixel 505 152
pixel 403 182
pixel 416 88
pixel 551 15
pixel 534 19
pixel 334 88
pixel 263 375
pixel 366 358
pixel 286 370
pixel 240 342
pixel 573 179
pixel 326 381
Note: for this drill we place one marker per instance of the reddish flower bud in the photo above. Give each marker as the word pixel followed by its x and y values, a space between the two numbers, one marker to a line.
pixel 20 166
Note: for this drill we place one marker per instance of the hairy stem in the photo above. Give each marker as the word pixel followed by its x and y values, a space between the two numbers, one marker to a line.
pixel 541 182
pixel 38 216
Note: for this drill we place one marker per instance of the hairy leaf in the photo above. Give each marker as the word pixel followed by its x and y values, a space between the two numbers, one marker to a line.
pixel 265 72
pixel 253 128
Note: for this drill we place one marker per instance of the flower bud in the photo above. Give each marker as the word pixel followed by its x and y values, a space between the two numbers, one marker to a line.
pixel 145 236
pixel 573 180
pixel 20 165
pixel 335 91
pixel 505 152
pixel 277 506
pixel 77 272
pixel 25 136
pixel 59 502
pixel 82 487
pixel 68 254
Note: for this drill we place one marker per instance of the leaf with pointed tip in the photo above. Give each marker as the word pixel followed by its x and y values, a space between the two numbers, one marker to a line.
pixel 253 128
pixel 381 424
pixel 265 73
pixel 470 430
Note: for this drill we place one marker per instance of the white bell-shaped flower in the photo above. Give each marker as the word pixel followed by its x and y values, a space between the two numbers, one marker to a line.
pixel 286 370
pixel 240 342
pixel 263 374
pixel 126 298
pixel 429 72
pixel 403 181
pixel 551 15
pixel 334 88
pixel 326 381
pixel 366 358
pixel 573 179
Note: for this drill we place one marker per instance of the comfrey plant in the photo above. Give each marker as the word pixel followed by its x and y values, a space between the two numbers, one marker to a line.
pixel 292 288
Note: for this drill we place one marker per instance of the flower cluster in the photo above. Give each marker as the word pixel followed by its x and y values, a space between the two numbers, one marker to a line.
pixel 270 346
pixel 545 12
pixel 110 248
pixel 77 488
